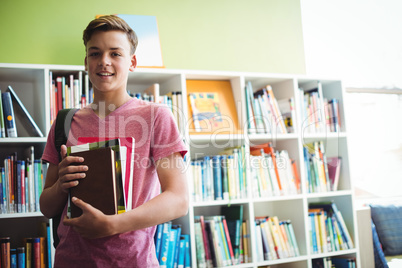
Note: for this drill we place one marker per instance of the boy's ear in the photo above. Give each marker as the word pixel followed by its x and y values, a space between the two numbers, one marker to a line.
pixel 85 62
pixel 133 64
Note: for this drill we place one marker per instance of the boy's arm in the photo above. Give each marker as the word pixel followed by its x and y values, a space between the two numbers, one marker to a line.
pixel 170 204
pixel 59 179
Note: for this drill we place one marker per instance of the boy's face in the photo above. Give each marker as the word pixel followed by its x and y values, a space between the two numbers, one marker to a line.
pixel 108 61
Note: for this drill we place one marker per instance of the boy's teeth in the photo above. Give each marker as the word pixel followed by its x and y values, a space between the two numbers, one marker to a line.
pixel 106 74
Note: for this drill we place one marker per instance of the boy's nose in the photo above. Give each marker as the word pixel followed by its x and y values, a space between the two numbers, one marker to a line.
pixel 104 61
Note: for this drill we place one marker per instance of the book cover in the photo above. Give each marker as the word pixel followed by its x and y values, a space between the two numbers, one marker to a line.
pixel 98 188
pixel 127 161
pixel 334 171
pixel 205 109
pixel 8 112
pixel 227 107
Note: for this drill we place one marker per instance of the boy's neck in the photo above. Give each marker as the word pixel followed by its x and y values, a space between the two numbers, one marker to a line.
pixel 104 106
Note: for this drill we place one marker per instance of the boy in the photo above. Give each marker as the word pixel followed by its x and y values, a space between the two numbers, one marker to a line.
pixel 160 190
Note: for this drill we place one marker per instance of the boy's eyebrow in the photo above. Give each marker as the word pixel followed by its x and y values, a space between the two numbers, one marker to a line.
pixel 112 48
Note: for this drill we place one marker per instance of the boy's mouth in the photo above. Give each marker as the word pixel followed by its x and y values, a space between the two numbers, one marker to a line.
pixel 103 74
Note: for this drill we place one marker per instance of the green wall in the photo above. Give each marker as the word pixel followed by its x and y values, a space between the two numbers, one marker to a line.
pixel 231 35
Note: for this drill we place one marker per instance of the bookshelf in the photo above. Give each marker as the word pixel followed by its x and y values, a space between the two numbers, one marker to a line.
pixel 31 82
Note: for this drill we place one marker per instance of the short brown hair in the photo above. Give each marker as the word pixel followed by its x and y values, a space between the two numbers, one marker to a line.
pixel 110 23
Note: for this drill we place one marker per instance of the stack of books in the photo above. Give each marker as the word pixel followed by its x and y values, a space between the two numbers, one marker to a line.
pixel 68 91
pixel 220 177
pixel 266 114
pixel 222 240
pixel 275 239
pixel 21 183
pixel 328 231
pixel 322 172
pixel 273 173
pixel 319 114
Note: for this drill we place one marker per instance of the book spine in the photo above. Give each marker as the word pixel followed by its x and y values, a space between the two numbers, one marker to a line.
pixel 163 254
pixel 2 125
pixel 217 172
pixel 21 257
pixel 8 111
pixel 5 252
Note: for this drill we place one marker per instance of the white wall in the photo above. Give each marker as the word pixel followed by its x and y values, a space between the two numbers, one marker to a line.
pixel 358 41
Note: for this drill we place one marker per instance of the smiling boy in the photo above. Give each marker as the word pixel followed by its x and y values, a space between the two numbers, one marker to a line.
pixel 159 190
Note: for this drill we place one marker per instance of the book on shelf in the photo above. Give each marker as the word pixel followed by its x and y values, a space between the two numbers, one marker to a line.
pixel 205 109
pixel 288 112
pixel 171 245
pixel 234 220
pixel 212 107
pixel 26 119
pixel 68 91
pixel 154 90
pixel 21 184
pixel 276 239
pixel 334 170
pixel 220 177
pixel 264 115
pixel 343 261
pixel 322 172
pixel 8 113
pixel 273 173
pixel 2 125
pixel 341 236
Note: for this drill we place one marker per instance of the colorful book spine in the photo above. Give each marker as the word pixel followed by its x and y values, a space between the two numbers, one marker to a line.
pixel 8 111
pixel 2 125
pixel 217 177
pixel 163 253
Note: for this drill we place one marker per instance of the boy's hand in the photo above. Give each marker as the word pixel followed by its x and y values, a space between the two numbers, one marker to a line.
pixel 92 223
pixel 70 174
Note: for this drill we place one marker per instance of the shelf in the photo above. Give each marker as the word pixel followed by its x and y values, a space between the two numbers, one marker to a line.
pixel 32 83
pixel 23 140
pixel 21 215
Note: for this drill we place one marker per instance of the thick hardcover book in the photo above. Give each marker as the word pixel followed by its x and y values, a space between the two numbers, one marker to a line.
pixel 24 115
pixel 8 112
pixel 98 188
pixel 126 155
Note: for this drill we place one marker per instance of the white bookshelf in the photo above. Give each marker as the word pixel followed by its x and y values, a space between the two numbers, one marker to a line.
pixel 31 82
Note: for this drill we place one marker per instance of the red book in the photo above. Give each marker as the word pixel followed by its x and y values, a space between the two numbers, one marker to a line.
pixel 59 93
pixel 225 227
pixel 5 252
pixel 36 252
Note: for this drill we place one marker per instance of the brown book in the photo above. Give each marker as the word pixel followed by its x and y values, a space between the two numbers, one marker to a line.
pixel 98 188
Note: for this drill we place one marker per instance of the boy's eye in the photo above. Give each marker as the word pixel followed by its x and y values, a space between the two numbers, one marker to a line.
pixel 116 54
pixel 93 54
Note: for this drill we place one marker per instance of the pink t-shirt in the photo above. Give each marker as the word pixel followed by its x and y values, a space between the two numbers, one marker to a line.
pixel 156 136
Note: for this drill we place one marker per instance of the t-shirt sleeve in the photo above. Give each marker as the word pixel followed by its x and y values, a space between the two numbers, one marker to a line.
pixel 166 139
pixel 50 153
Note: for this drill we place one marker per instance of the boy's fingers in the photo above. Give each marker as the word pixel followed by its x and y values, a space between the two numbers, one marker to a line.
pixel 81 204
pixel 63 151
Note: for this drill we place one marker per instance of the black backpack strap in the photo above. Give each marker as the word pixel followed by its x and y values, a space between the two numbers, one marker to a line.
pixel 63 123
pixel 62 128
